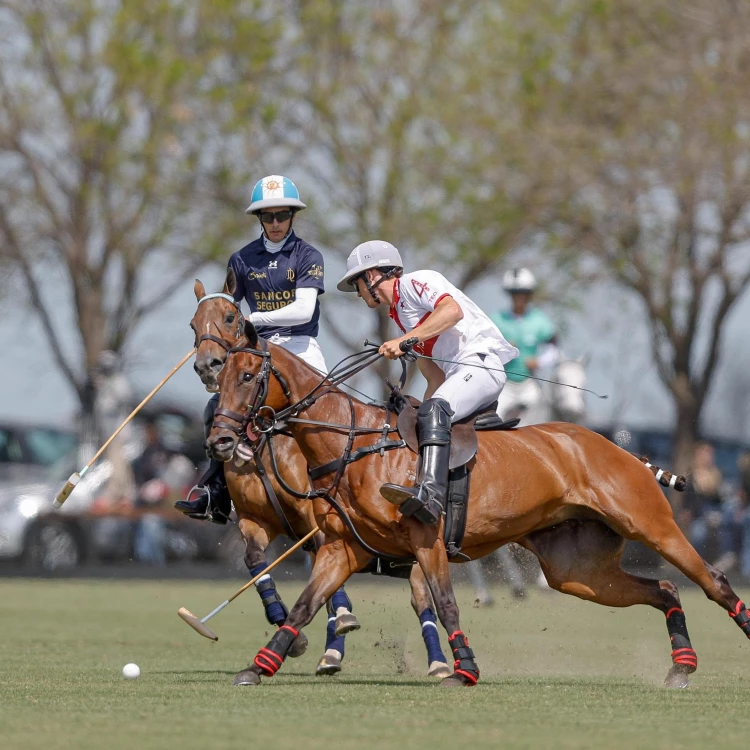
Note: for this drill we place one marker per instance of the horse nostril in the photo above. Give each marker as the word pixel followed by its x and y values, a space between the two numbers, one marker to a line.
pixel 216 364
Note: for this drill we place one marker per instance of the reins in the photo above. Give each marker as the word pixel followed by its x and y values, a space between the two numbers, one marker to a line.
pixel 278 420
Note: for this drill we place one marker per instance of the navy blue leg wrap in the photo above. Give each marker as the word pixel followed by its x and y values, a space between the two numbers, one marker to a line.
pixel 276 611
pixel 431 636
pixel 332 640
pixel 340 599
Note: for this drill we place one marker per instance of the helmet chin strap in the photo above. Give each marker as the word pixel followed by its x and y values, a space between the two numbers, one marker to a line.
pixel 372 288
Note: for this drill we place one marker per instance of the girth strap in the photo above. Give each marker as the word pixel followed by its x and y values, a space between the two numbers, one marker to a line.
pixel 456 508
pixel 368 450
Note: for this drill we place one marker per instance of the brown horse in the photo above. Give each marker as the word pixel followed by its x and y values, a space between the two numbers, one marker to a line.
pixel 218 325
pixel 563 492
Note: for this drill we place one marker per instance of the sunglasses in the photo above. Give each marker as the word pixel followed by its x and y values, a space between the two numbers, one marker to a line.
pixel 267 217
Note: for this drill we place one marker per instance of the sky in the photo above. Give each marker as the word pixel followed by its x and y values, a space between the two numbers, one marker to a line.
pixel 609 328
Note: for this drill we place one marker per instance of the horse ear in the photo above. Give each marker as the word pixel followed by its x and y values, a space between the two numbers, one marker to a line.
pixel 230 283
pixel 251 334
pixel 199 290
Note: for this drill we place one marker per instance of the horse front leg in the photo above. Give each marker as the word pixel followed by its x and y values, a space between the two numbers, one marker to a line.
pixel 433 561
pixel 257 538
pixel 421 603
pixel 334 563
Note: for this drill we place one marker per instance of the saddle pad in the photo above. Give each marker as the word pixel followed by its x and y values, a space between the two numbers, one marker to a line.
pixel 463 438
pixel 464 442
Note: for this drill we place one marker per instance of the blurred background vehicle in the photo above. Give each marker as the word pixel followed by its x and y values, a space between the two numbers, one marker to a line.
pixel 35 460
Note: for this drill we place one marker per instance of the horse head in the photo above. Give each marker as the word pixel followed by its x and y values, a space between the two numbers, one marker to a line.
pixel 218 325
pixel 251 390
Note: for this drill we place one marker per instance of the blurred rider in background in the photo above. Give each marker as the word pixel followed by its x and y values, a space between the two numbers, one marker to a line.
pixel 533 333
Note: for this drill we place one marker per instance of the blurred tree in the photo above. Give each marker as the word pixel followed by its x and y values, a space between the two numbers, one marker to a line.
pixel 118 155
pixel 649 101
pixel 644 115
pixel 408 138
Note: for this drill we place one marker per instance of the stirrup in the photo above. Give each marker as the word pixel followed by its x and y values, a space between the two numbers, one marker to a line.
pixel 211 513
pixel 411 502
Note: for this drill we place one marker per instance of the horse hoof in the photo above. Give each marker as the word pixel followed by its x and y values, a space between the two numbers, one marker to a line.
pixel 247 677
pixel 455 680
pixel 298 647
pixel 677 677
pixel 345 623
pixel 329 664
pixel 439 669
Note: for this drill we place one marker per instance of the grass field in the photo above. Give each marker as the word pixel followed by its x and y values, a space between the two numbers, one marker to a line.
pixel 556 673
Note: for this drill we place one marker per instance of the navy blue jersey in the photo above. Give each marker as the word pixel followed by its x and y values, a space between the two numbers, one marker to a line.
pixel 269 281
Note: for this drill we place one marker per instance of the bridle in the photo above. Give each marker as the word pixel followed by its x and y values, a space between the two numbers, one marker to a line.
pixel 262 418
pixel 240 322
pixel 256 403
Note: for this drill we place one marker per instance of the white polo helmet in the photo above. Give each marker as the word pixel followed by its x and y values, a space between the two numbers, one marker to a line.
pixel 371 254
pixel 274 191
pixel 519 280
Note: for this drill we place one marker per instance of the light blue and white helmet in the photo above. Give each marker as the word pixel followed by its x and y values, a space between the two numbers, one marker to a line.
pixel 272 192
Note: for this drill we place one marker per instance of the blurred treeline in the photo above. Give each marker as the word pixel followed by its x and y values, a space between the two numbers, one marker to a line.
pixel 611 135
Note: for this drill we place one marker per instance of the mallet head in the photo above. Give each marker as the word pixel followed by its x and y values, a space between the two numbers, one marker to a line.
pixel 196 624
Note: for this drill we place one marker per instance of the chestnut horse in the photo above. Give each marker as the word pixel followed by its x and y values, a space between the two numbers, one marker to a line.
pixel 567 494
pixel 218 325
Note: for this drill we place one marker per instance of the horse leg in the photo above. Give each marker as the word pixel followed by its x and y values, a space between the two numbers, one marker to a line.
pixel 582 558
pixel 334 563
pixel 652 523
pixel 433 560
pixel 257 538
pixel 421 603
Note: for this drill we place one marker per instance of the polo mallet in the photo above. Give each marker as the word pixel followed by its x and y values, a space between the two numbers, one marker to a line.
pixel 76 477
pixel 200 625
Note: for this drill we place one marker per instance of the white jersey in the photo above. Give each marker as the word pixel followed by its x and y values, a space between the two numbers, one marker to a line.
pixel 415 297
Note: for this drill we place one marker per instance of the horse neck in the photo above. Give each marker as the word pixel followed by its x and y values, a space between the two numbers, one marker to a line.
pixel 318 444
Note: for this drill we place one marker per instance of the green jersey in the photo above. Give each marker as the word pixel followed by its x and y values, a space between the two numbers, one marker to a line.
pixel 526 332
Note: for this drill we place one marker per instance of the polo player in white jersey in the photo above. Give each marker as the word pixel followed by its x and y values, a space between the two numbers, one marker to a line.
pixel 467 370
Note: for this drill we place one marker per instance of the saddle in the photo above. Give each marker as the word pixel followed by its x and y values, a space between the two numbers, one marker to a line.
pixel 464 441
pixel 464 445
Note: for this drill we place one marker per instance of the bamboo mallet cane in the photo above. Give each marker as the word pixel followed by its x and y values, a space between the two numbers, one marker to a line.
pixel 76 477
pixel 200 625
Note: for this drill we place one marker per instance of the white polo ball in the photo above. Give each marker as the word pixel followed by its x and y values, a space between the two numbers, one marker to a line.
pixel 131 671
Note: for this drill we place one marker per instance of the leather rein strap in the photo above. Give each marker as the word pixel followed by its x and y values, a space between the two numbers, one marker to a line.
pixel 277 423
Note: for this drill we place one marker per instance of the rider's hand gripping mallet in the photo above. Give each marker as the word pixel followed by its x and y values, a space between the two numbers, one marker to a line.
pixel 64 493
pixel 200 625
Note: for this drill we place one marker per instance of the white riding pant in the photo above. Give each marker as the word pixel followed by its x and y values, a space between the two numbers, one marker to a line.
pixel 470 386
pixel 526 398
pixel 305 347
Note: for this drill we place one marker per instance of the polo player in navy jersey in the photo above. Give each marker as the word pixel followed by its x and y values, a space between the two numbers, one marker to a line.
pixel 280 277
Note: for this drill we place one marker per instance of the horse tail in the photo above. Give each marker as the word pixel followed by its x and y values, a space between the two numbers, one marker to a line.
pixel 663 477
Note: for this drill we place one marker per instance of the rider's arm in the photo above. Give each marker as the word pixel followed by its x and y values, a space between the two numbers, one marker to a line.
pixel 434 376
pixel 294 314
pixel 446 314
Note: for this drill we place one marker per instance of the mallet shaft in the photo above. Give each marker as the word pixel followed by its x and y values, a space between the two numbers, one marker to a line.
pixel 64 493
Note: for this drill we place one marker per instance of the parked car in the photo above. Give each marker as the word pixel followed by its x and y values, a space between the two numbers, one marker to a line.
pixel 35 462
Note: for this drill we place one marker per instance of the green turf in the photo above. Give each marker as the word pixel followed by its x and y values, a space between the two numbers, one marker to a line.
pixel 556 673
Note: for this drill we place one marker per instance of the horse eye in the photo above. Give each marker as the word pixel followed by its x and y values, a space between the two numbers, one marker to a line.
pixel 230 319
pixel 247 377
